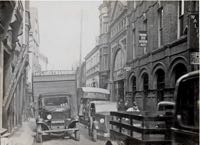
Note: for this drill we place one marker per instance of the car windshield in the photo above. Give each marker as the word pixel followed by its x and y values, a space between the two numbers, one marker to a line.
pixel 165 107
pixel 55 101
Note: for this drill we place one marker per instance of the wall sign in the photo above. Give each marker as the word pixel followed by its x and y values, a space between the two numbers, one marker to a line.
pixel 142 38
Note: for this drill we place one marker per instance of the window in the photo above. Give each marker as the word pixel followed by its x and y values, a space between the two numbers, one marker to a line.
pixel 145 82
pixel 133 83
pixel 180 18
pixel 145 29
pixel 134 43
pixel 160 27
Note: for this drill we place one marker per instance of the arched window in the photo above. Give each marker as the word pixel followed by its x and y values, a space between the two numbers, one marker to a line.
pixel 160 74
pixel 133 81
pixel 119 60
pixel 178 71
pixel 145 82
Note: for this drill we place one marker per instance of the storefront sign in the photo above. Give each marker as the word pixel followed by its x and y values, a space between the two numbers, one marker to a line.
pixel 142 38
pixel 194 18
pixel 194 58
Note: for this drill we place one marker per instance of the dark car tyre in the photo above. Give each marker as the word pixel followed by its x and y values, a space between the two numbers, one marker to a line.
pixel 94 135
pixel 89 131
pixel 77 135
pixel 38 133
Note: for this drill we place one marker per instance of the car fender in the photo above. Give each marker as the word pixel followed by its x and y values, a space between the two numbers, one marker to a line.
pixel 40 121
pixel 73 124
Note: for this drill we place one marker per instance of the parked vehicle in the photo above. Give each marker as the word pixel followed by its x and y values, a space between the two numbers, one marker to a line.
pixel 55 116
pixel 185 130
pixel 164 108
pixel 99 118
pixel 85 96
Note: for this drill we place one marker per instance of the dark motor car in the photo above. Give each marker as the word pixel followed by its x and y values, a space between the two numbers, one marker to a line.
pixel 164 108
pixel 185 129
pixel 56 117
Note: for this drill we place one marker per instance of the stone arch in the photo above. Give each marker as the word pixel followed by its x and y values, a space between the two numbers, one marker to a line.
pixel 141 74
pixel 130 81
pixel 116 51
pixel 156 68
pixel 178 67
pixel 176 61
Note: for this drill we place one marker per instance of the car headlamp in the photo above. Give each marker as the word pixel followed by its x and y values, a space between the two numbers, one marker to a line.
pixel 49 116
pixel 102 120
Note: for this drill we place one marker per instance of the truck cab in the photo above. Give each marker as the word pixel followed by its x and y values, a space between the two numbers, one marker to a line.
pixel 55 116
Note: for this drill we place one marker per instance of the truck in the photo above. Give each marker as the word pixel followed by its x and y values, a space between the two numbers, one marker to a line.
pixel 55 101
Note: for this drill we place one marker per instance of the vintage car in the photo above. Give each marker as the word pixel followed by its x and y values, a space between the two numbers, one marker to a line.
pixel 99 118
pixel 164 108
pixel 85 96
pixel 56 116
pixel 185 129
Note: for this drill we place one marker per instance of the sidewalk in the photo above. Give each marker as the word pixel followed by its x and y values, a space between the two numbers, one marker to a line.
pixel 23 136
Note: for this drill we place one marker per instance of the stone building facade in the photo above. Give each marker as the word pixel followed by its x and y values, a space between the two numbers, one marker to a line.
pixel 92 67
pixel 164 56
pixel 14 43
pixel 104 46
pixel 152 43
pixel 118 48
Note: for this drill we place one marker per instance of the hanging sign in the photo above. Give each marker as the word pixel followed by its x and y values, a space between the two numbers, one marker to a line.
pixel 142 38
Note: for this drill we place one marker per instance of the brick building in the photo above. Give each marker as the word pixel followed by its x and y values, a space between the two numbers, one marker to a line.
pixel 152 43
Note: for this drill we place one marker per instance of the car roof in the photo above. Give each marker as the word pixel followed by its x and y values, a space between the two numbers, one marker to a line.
pixel 166 103
pixel 188 75
pixel 102 102
pixel 54 94
pixel 95 90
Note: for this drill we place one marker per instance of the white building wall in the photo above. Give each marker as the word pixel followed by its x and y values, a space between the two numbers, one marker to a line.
pixel 92 69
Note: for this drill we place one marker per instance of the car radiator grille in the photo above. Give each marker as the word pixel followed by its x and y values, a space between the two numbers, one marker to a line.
pixel 58 116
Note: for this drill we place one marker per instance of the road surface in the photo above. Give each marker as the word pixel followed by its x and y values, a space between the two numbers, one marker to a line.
pixel 84 140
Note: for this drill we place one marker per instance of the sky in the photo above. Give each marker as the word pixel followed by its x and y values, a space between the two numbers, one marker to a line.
pixel 59 28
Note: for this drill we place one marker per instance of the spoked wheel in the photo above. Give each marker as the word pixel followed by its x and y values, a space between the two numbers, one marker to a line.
pixel 94 135
pixel 38 133
pixel 77 135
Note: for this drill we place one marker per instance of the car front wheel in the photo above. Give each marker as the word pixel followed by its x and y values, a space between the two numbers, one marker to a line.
pixel 94 134
pixel 39 134
pixel 77 135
